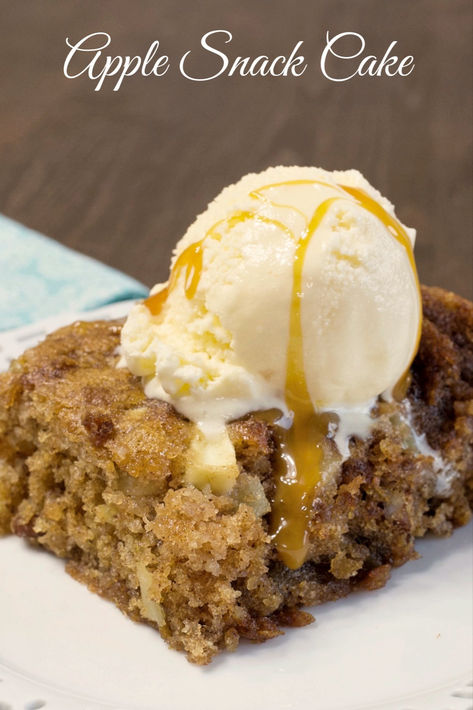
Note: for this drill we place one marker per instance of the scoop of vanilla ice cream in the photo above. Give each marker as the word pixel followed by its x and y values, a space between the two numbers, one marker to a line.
pixel 223 351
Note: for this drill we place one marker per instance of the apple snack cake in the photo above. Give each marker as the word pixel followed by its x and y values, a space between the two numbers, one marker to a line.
pixel 93 471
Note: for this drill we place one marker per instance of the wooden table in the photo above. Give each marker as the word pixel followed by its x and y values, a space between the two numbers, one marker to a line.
pixel 120 175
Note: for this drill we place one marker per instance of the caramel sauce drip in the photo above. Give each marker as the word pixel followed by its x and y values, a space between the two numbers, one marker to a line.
pixel 299 464
pixel 401 388
pixel 300 458
pixel 400 234
pixel 189 261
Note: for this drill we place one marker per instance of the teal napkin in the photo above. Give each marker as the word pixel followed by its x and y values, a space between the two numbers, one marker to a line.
pixel 39 278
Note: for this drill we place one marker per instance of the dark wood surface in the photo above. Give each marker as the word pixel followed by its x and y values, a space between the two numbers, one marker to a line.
pixel 120 175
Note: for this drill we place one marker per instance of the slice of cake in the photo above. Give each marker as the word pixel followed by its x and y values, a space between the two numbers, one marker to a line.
pixel 211 486
pixel 94 471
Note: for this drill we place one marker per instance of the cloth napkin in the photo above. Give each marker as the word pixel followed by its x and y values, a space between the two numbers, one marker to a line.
pixel 39 278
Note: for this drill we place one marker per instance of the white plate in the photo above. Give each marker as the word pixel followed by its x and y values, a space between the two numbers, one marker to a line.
pixel 405 647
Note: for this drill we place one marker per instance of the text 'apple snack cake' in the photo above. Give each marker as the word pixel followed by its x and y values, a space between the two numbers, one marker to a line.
pixel 272 428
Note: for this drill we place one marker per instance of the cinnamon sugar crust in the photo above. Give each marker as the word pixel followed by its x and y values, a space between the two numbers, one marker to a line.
pixel 93 471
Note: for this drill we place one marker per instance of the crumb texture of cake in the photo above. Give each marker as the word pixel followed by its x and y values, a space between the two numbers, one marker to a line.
pixel 94 471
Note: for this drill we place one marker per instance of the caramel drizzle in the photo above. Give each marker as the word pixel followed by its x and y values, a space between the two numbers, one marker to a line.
pixel 190 261
pixel 300 461
pixel 299 464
